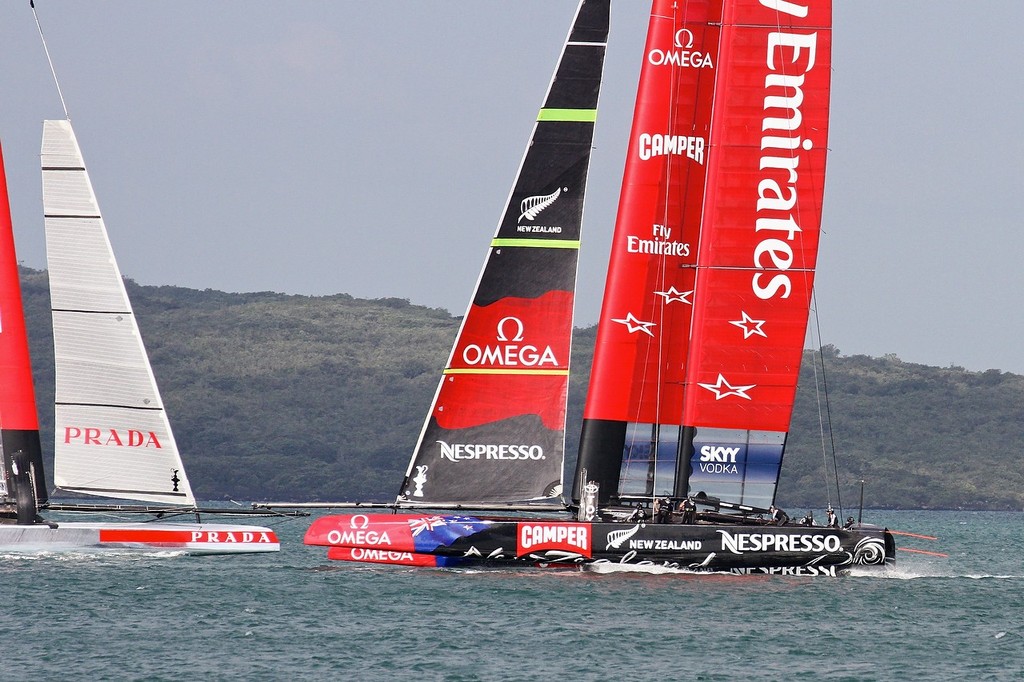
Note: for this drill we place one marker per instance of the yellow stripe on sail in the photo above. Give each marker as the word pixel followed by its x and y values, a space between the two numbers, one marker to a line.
pixel 538 243
pixel 534 372
pixel 568 115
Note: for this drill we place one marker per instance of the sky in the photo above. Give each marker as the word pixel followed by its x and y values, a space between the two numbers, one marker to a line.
pixel 368 148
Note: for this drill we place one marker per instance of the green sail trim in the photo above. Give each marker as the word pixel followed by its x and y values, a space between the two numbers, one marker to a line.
pixel 570 115
pixel 537 243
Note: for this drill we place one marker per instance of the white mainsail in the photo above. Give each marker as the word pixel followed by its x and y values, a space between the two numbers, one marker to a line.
pixel 112 436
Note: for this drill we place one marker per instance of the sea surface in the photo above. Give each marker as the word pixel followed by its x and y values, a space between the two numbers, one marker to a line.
pixel 296 616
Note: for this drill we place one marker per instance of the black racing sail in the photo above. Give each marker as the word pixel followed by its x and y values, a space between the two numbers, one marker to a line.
pixel 495 433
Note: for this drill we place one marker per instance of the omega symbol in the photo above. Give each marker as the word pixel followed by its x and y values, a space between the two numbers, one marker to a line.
pixel 503 336
pixel 680 35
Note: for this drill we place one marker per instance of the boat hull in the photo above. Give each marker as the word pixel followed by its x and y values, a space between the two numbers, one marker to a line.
pixel 451 540
pixel 188 538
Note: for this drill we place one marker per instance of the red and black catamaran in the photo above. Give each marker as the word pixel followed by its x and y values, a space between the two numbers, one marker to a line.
pixel 701 331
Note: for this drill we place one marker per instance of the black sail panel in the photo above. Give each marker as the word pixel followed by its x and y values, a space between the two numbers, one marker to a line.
pixel 495 433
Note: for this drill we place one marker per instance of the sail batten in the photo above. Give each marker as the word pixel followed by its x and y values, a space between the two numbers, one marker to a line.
pixel 110 420
pixel 537 243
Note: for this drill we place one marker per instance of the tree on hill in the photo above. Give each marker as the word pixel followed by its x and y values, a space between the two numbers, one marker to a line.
pixel 302 398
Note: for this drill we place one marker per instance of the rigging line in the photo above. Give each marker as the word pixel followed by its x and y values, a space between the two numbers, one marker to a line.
pixel 828 407
pixel 49 61
pixel 821 425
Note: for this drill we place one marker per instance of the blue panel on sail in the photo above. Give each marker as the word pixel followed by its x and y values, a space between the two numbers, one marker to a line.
pixel 645 470
pixel 737 466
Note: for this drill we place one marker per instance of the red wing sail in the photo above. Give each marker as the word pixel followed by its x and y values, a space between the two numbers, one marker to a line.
pixel 19 423
pixel 495 433
pixel 635 400
pixel 763 209
pixel 642 341
pixel 699 348
pixel 763 219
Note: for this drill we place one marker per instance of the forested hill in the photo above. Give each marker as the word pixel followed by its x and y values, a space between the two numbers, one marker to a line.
pixel 278 397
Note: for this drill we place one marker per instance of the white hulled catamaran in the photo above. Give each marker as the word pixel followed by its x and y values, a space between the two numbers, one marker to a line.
pixel 112 436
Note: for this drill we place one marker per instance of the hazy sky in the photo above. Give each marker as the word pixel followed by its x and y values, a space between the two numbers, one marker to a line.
pixel 368 148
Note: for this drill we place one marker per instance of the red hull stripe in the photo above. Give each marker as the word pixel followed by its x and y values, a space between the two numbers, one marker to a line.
pixel 176 538
pixel 381 556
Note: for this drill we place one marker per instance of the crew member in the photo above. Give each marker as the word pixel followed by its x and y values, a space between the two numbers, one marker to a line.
pixel 688 510
pixel 779 517
pixel 665 513
pixel 658 511
pixel 831 520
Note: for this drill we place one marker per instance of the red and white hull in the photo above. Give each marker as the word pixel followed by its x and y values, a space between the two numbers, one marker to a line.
pixel 189 538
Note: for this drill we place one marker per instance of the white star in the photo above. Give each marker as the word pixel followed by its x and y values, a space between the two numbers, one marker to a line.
pixel 723 389
pixel 673 295
pixel 634 325
pixel 749 325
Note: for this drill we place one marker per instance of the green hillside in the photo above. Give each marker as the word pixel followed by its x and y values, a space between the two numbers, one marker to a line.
pixel 277 397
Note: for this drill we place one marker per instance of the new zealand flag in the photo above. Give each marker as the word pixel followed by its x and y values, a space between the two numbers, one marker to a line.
pixel 431 532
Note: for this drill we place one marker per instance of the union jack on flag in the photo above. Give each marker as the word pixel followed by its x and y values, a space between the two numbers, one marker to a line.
pixel 431 532
pixel 426 523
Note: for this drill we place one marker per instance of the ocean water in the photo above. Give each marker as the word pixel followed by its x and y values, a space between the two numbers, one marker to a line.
pixel 296 616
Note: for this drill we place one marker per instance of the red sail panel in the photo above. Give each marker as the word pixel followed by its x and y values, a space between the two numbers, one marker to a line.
pixel 17 397
pixel 762 209
pixel 639 360
pixel 512 358
pixel 21 459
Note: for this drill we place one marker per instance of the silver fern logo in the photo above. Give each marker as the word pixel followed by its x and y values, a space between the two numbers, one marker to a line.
pixel 532 206
pixel 617 537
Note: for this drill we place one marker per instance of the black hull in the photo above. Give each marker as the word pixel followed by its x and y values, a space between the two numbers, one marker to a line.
pixel 448 540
